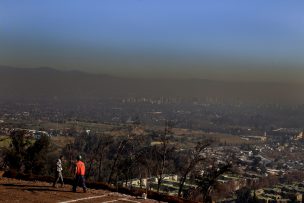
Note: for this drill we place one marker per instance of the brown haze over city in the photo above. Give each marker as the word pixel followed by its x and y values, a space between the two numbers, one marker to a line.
pixel 157 48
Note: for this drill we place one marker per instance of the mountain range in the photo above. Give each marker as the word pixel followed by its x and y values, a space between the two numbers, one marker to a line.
pixel 45 82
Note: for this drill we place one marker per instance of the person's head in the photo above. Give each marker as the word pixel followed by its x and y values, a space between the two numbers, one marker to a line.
pixel 61 157
pixel 78 158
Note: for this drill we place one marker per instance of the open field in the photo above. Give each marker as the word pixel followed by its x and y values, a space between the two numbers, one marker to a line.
pixel 185 136
pixel 217 137
pixel 77 125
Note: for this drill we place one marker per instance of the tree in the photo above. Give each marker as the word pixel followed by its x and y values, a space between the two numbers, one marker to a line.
pixel 206 180
pixel 193 159
pixel 36 157
pixel 27 156
pixel 120 148
pixel 15 155
pixel 101 151
pixel 124 147
pixel 93 148
pixel 132 159
pixel 243 195
pixel 162 154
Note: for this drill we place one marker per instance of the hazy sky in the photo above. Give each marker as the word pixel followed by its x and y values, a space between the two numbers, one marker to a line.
pixel 176 38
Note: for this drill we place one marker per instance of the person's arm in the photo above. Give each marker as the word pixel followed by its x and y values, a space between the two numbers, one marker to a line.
pixel 75 170
pixel 58 165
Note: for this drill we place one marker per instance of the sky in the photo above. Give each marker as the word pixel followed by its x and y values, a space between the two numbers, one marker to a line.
pixel 157 38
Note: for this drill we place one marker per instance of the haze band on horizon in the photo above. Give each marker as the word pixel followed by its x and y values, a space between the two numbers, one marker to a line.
pixel 235 40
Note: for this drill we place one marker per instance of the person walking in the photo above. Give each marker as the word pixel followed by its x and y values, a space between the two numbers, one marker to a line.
pixel 58 175
pixel 79 175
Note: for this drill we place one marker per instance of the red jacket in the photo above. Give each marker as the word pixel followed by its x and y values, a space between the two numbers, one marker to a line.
pixel 80 168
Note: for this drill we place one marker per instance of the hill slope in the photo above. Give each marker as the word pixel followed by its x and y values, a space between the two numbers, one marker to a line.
pixel 13 190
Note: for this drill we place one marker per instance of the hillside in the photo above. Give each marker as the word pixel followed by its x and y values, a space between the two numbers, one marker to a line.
pixel 12 190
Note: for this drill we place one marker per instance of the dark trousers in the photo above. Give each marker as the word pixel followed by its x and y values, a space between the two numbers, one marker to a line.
pixel 58 177
pixel 79 181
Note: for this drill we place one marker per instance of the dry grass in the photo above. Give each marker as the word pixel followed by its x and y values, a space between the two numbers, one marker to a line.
pixel 99 127
pixel 62 141
pixel 218 137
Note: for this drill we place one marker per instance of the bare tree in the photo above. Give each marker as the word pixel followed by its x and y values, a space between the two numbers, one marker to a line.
pixel 104 145
pixel 122 145
pixel 117 156
pixel 133 158
pixel 161 154
pixel 97 148
pixel 206 180
pixel 91 147
pixel 192 160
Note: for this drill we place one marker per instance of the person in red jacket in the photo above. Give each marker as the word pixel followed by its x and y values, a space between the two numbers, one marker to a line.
pixel 79 175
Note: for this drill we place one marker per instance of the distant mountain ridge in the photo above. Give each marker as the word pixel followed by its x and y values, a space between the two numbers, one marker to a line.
pixel 45 82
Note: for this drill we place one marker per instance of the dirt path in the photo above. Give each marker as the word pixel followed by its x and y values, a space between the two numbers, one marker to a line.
pixel 12 190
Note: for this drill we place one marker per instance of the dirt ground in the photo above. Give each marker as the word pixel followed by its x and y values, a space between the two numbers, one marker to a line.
pixel 12 190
